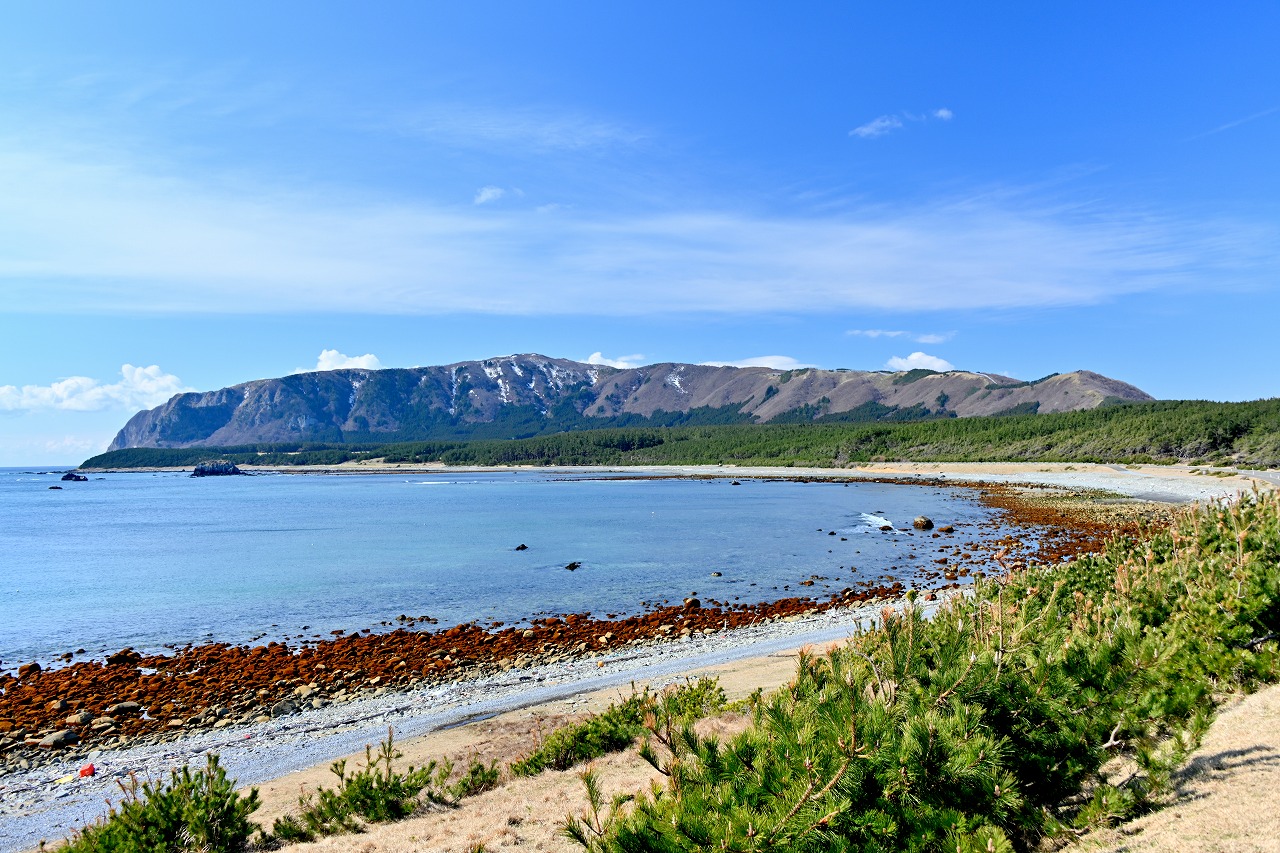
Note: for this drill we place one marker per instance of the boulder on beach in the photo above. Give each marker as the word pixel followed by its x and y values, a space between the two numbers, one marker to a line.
pixel 80 718
pixel 922 522
pixel 60 739
pixel 121 709
pixel 28 669
pixel 216 468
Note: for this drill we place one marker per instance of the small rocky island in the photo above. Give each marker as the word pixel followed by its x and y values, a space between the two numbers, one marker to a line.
pixel 218 468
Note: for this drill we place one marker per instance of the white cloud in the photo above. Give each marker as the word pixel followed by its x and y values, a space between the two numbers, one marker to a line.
pixel 331 359
pixel 926 338
pixel 884 124
pixel 877 333
pixel 919 360
pixel 524 129
pixel 104 237
pixel 622 362
pixel 777 362
pixel 138 388
pixel 484 195
pixel 877 127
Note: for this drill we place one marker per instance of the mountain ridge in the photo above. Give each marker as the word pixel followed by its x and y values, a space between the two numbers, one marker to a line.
pixel 529 394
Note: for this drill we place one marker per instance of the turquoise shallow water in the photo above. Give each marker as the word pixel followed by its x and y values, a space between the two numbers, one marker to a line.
pixel 145 560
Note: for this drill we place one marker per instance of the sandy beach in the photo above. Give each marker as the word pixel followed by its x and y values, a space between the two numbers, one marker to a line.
pixel 496 715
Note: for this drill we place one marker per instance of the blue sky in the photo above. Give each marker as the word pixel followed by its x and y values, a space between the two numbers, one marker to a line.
pixel 195 196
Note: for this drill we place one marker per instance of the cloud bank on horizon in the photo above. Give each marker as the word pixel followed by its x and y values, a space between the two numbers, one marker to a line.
pixel 138 388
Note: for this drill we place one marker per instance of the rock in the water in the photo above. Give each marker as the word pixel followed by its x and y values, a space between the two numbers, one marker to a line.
pixel 522 547
pixel 73 477
pixel 922 522
pixel 574 566
pixel 218 468
pixel 28 669
pixel 58 488
pixel 946 528
pixel 123 709
pixel 125 656
pixel 59 740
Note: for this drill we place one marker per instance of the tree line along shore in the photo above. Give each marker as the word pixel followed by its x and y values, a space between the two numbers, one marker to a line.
pixel 1244 435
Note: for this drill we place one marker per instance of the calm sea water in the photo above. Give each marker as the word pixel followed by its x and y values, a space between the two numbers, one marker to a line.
pixel 145 560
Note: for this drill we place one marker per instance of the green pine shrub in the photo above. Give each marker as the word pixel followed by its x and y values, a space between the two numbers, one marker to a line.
pixel 194 811
pixel 376 793
pixel 619 726
pixel 478 778
pixel 987 727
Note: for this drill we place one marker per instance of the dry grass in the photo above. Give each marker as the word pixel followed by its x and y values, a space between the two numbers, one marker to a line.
pixel 1227 799
pixel 523 813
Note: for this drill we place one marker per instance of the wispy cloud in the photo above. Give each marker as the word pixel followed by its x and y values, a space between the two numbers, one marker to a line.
pixel 920 338
pixel 1229 125
pixel 108 235
pixel 542 129
pixel 885 124
pixel 919 360
pixel 878 126
pixel 138 388
pixel 622 362
pixel 484 195
pixel 331 359
pixel 777 362
pixel 877 333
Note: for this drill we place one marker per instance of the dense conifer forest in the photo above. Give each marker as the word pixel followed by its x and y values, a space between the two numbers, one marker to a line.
pixel 1196 432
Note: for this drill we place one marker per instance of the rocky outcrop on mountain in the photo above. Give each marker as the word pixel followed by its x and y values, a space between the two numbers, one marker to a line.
pixel 522 395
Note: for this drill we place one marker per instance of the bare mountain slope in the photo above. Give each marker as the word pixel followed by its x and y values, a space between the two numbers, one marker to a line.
pixel 522 395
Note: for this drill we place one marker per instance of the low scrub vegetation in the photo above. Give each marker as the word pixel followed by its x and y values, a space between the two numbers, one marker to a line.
pixel 619 726
pixel 376 793
pixel 987 727
pixel 196 810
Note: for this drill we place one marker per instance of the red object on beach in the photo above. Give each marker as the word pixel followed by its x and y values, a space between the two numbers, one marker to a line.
pixel 87 770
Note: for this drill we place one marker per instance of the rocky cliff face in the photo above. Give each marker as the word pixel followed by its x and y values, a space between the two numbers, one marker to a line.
pixel 521 395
